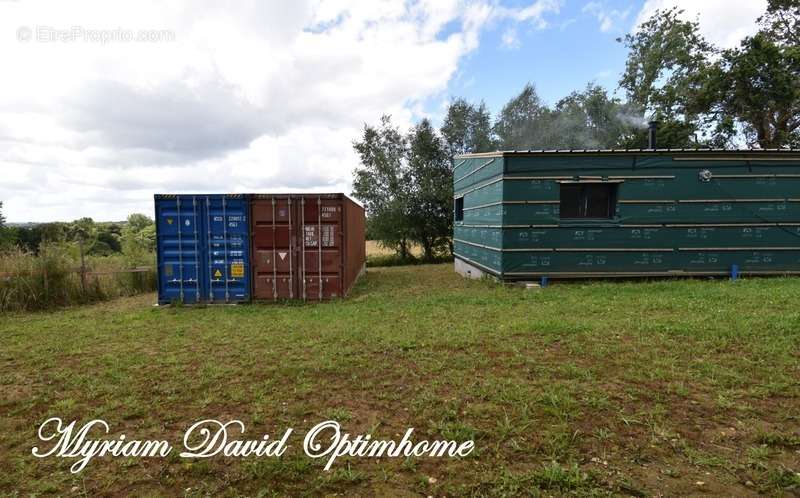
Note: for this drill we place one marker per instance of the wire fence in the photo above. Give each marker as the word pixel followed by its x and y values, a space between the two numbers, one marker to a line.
pixel 51 279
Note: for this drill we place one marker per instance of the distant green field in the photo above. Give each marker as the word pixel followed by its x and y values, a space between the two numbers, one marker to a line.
pixel 589 389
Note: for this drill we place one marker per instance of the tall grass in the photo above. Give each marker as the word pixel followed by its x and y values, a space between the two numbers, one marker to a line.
pixel 52 278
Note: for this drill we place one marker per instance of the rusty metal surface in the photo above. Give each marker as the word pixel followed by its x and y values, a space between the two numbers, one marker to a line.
pixel 309 247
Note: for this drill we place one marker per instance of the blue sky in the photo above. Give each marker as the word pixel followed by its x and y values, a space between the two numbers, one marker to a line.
pixel 565 56
pixel 103 104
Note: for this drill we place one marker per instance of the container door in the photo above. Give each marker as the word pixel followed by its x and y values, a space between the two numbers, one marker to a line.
pixel 274 222
pixel 321 259
pixel 297 247
pixel 227 240
pixel 179 221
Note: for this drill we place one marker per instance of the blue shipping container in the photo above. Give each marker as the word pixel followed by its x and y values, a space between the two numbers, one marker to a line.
pixel 203 248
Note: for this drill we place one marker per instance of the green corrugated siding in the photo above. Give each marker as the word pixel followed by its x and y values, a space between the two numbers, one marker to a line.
pixel 624 237
pixel 475 171
pixel 476 181
pixel 667 219
pixel 485 258
pixel 644 262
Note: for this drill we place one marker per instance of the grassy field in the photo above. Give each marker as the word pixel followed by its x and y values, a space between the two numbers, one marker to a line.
pixel 375 249
pixel 589 389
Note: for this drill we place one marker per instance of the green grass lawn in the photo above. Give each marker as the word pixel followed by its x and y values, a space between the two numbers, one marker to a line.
pixel 604 388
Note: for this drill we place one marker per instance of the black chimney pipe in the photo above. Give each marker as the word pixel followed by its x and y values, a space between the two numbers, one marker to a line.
pixel 651 134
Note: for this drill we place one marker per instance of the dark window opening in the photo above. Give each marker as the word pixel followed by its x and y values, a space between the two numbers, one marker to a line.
pixel 588 200
pixel 459 209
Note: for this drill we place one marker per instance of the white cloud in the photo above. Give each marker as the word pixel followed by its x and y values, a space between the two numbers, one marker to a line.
pixel 605 74
pixel 565 24
pixel 722 22
pixel 256 97
pixel 533 13
pixel 609 19
pixel 531 16
pixel 510 39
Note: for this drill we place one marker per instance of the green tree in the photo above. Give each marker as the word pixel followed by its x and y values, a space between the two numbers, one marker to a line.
pixel 382 184
pixel 667 57
pixel 749 93
pixel 587 119
pixel 430 212
pixel 30 238
pixel 8 235
pixel 467 128
pixel 84 232
pixel 55 232
pixel 137 222
pixel 483 139
pixel 138 239
pixel 106 243
pixel 406 185
pixel 82 229
pixel 758 86
pixel 590 119
pixel 522 121
pixel 782 21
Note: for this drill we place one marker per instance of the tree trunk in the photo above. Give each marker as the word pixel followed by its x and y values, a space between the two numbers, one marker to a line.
pixel 762 134
pixel 403 249
pixel 428 248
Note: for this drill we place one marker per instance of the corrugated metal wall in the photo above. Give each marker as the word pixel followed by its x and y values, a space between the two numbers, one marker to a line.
pixel 667 218
pixel 355 250
pixel 305 245
pixel 203 248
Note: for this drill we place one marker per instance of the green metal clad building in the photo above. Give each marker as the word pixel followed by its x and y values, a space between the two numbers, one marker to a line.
pixel 523 215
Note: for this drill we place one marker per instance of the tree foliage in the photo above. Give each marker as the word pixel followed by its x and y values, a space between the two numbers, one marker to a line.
pixel 8 235
pixel 382 184
pixel 519 124
pixel 138 238
pixel 758 87
pixel 467 128
pixel 782 21
pixel 666 57
pixel 587 119
pixel 405 183
pixel 430 211
pixel 747 94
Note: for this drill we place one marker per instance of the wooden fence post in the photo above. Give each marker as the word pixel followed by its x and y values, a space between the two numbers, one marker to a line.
pixel 83 268
pixel 44 273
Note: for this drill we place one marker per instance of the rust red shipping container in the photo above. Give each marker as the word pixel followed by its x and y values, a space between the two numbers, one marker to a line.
pixel 305 246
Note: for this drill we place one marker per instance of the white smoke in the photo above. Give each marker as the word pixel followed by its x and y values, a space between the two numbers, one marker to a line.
pixel 634 120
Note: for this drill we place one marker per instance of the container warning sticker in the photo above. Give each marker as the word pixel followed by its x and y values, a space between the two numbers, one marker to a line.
pixel 217 274
pixel 237 270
